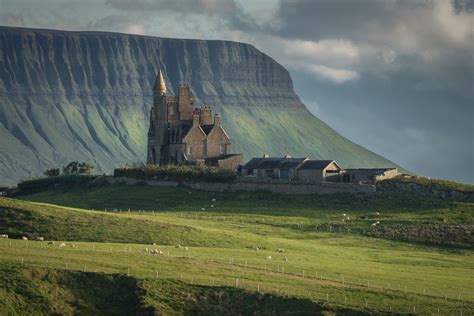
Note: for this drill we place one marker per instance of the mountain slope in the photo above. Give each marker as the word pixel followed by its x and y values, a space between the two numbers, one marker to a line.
pixel 85 96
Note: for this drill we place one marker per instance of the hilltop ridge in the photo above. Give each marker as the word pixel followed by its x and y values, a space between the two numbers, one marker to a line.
pixel 86 95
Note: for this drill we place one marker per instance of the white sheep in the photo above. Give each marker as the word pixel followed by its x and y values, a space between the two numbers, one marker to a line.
pixel 285 259
pixel 280 250
pixel 203 209
pixel 40 238
pixel 63 244
pixel 269 258
pixel 73 246
pixel 213 200
pixel 178 246
pixel 377 213
pixel 373 224
pixel 212 205
pixel 186 248
pixel 24 238
pixel 378 222
pixel 50 242
pixel 4 236
pixel 344 214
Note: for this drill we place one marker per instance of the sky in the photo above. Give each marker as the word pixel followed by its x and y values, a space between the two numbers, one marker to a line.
pixel 396 77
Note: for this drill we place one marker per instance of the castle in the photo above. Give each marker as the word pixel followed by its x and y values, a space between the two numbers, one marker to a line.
pixel 179 133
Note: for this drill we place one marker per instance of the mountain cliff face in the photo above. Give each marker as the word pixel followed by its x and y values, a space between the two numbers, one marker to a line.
pixel 86 95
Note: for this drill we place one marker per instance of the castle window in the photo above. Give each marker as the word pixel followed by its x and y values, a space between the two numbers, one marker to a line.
pixel 222 149
pixel 190 150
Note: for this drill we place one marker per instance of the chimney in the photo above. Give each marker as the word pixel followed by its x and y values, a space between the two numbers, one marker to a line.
pixel 265 156
pixel 217 119
pixel 196 118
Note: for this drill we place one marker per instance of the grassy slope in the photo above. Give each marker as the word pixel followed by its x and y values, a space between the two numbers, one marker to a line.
pixel 230 232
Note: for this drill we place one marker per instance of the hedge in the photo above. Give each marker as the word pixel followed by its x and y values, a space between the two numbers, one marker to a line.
pixel 176 173
pixel 62 181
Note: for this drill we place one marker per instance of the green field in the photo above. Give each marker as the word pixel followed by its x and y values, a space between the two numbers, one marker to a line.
pixel 331 263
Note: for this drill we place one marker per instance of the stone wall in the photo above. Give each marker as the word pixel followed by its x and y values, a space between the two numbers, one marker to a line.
pixel 419 189
pixel 282 187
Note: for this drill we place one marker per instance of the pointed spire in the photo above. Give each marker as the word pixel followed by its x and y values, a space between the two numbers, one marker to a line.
pixel 160 84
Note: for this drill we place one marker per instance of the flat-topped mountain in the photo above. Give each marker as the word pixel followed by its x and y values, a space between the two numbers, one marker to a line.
pixel 86 96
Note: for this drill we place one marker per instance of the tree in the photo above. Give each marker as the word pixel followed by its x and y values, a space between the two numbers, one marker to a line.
pixel 75 167
pixel 85 168
pixel 54 172
pixel 71 168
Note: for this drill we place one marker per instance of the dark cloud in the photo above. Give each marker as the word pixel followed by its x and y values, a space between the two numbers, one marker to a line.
pixel 228 11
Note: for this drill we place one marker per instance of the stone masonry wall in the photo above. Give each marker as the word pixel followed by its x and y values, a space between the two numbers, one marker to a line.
pixel 274 187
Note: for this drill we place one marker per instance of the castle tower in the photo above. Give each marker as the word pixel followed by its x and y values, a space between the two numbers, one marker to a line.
pixel 156 141
pixel 185 103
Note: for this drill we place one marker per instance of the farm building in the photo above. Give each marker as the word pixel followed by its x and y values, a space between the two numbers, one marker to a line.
pixel 273 167
pixel 319 171
pixel 369 175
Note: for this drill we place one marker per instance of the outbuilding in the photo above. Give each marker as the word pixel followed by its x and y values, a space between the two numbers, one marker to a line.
pixel 369 175
pixel 319 171
pixel 272 167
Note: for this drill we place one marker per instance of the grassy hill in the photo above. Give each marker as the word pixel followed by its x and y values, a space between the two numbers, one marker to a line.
pixel 328 266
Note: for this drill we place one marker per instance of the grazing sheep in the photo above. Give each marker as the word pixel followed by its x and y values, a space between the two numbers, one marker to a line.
pixel 63 244
pixel 212 205
pixel 257 248
pixel 280 250
pixel 348 218
pixel 344 215
pixel 50 242
pixel 4 236
pixel 285 259
pixel 377 213
pixel 378 222
pixel 213 200
pixel 24 238
pixel 40 238
pixel 73 246
pixel 146 250
pixel 154 244
pixel 269 258
pixel 203 209
pixel 178 246
pixel 186 248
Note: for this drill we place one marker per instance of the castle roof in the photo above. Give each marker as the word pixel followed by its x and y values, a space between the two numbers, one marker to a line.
pixel 160 84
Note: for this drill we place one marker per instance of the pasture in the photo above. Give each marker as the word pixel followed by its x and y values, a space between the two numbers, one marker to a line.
pixel 328 263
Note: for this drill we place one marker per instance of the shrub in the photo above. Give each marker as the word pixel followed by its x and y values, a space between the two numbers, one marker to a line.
pixel 176 173
pixel 44 184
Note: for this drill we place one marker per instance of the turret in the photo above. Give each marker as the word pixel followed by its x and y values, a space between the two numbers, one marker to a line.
pixel 205 115
pixel 160 84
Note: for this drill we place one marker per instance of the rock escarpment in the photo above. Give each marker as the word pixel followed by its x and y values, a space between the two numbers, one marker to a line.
pixel 86 95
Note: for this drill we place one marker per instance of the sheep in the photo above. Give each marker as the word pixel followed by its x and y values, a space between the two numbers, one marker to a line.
pixel 50 242
pixel 285 259
pixel 153 244
pixel 24 238
pixel 146 250
pixel 213 200
pixel 73 246
pixel 178 246
pixel 280 250
pixel 40 238
pixel 348 218
pixel 63 244
pixel 344 214
pixel 4 236
pixel 212 205
pixel 269 258
pixel 378 222
pixel 186 248
pixel 377 213
pixel 203 209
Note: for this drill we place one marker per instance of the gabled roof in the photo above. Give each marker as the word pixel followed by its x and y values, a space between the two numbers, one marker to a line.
pixel 317 164
pixel 207 128
pixel 271 163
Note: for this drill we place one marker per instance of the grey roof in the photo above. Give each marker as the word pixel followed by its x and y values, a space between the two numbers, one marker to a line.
pixel 273 163
pixel 315 164
pixel 207 128
pixel 368 170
